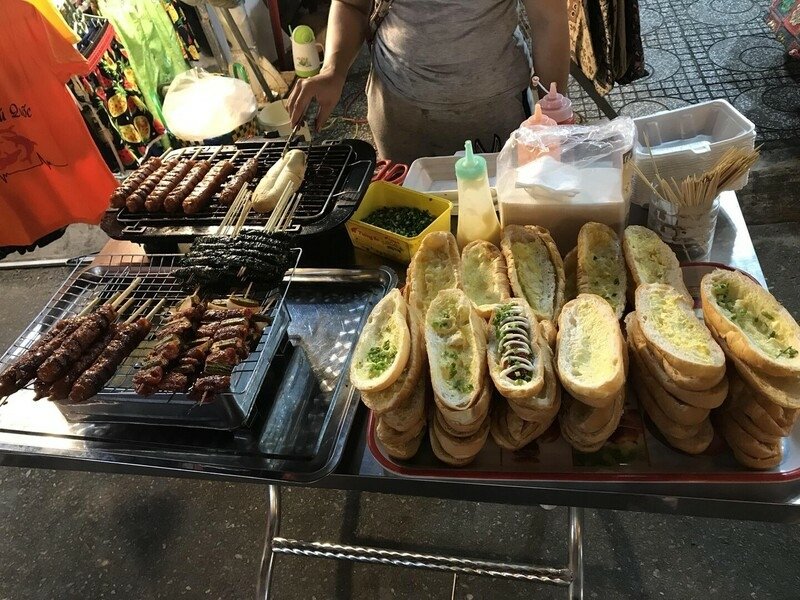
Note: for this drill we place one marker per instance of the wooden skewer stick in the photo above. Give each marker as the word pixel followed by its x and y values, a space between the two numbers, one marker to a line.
pixel 124 308
pixel 156 309
pixel 248 204
pixel 126 292
pixel 89 307
pixel 138 312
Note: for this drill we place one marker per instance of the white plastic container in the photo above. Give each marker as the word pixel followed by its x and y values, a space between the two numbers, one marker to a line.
pixel 688 140
pixel 436 175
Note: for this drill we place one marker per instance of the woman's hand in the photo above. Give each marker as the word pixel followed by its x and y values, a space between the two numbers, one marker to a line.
pixel 326 88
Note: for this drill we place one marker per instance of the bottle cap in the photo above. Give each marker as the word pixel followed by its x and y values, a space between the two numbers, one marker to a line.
pixel 470 166
pixel 303 34
pixel 538 118
pixel 555 105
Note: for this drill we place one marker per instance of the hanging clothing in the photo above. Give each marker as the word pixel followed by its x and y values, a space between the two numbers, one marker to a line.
pixel 112 90
pixel 152 45
pixel 606 41
pixel 51 173
pixel 784 19
pixel 186 36
pixel 49 11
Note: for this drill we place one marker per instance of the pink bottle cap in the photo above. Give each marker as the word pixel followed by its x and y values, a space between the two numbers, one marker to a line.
pixel 557 106
pixel 538 118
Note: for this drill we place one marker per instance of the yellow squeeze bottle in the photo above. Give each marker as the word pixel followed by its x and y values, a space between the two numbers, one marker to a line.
pixel 477 219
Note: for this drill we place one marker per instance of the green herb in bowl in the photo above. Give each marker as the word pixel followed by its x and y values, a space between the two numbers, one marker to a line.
pixel 403 220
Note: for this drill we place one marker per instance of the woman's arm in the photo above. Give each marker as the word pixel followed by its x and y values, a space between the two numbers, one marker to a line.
pixel 347 29
pixel 550 39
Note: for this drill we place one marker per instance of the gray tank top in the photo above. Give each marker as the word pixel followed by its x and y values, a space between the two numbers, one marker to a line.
pixel 438 53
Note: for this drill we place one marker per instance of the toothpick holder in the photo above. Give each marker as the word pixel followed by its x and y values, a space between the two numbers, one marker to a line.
pixel 689 230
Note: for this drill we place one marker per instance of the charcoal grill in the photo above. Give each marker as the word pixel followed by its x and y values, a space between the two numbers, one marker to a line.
pixel 336 180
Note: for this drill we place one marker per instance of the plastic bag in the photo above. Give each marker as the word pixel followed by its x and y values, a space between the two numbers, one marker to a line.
pixel 201 106
pixel 553 161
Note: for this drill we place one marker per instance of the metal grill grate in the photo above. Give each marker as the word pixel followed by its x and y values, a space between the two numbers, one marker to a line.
pixel 326 167
pixel 111 274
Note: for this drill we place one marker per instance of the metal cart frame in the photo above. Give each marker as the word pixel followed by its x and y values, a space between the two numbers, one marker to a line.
pixel 358 470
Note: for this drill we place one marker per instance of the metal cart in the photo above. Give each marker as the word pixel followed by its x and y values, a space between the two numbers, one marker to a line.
pixel 350 465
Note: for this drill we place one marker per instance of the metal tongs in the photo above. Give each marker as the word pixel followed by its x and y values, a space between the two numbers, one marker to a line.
pixel 291 137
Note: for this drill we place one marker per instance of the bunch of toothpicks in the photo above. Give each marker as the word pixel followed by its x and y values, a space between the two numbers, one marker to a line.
pixel 701 190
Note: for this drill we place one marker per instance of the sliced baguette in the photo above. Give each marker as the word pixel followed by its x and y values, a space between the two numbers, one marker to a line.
pixel 754 325
pixel 650 260
pixel 575 412
pixel 739 439
pixel 513 352
pixel 673 332
pixel 461 447
pixel 440 453
pixel 544 405
pixel 665 425
pixel 468 420
pixel 571 275
pixel 589 351
pixel 456 342
pixel 484 276
pixel 434 267
pixel 398 393
pixel 383 347
pixel 405 450
pixel 601 266
pixel 680 412
pixel 767 416
pixel 409 413
pixel 708 398
pixel 783 391
pixel 395 437
pixel 535 269
pixel 694 444
pixel 512 433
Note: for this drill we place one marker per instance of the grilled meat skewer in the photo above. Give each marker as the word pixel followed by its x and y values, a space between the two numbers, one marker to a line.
pixel 59 390
pixel 128 336
pixel 243 176
pixel 201 195
pixel 174 200
pixel 155 200
pixel 135 201
pixel 134 180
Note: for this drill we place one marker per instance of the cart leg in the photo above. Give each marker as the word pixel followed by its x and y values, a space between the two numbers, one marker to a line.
pixel 576 552
pixel 268 557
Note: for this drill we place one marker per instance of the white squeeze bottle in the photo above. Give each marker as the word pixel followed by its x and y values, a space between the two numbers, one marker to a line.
pixel 476 217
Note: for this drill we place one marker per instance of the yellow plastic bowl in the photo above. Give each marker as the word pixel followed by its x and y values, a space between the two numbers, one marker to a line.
pixel 386 243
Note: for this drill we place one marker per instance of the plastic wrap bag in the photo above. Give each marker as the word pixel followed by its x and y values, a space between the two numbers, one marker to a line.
pixel 560 177
pixel 551 161
pixel 202 106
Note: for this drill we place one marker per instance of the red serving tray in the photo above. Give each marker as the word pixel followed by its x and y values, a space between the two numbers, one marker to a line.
pixel 635 453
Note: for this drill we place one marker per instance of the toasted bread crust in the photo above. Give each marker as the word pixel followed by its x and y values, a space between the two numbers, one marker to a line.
pixel 490 282
pixel 391 312
pixel 435 266
pixel 534 234
pixel 599 249
pixel 644 250
pixel 744 344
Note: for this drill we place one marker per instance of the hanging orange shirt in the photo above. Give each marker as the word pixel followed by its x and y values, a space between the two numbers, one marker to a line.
pixel 51 173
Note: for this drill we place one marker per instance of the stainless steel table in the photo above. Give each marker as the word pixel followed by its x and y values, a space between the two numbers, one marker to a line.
pixel 358 470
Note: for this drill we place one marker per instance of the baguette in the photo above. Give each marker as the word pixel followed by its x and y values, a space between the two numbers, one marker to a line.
pixel 468 420
pixel 398 393
pixel 509 431
pixel 544 406
pixel 600 265
pixel 406 415
pixel 395 437
pixel 383 347
pixel 674 333
pixel 650 260
pixel 456 343
pixel 461 446
pixel 439 452
pixel 783 391
pixel 767 416
pixel 739 439
pixel 484 276
pixel 589 351
pixel 513 351
pixel 404 450
pixel 709 398
pixel 694 444
pixel 571 275
pixel 675 409
pixel 535 269
pixel 754 325
pixel 664 424
pixel 435 266
pixel 576 412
